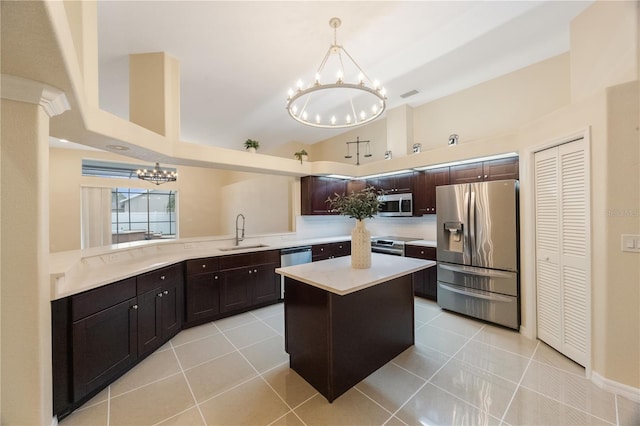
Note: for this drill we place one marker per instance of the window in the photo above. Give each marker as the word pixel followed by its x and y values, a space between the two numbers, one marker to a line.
pixel 142 214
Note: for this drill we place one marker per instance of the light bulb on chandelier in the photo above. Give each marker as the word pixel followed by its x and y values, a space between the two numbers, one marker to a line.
pixel 341 98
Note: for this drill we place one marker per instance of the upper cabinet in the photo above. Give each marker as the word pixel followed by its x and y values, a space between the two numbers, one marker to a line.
pixel 424 197
pixel 316 189
pixel 314 193
pixel 504 168
pixel 394 184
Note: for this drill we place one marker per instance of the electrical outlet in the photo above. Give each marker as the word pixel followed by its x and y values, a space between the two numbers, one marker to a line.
pixel 630 243
pixel 114 257
pixel 189 245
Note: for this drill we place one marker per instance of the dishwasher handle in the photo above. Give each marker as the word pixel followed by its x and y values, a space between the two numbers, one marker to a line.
pixel 293 250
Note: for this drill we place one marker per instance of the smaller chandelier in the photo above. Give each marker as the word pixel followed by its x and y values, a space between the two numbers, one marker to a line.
pixel 351 100
pixel 157 175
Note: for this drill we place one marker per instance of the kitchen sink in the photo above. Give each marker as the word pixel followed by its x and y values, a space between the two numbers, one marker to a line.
pixel 243 247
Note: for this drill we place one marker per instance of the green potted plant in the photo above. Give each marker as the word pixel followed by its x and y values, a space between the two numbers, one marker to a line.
pixel 251 145
pixel 301 155
pixel 359 205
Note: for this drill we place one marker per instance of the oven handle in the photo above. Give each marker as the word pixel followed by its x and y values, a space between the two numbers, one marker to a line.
pixel 477 295
pixel 386 251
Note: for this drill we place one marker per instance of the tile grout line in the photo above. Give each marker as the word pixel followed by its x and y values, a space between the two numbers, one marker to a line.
pixel 436 372
pixel 188 384
pixel 108 405
pixel 568 405
pixel 513 396
pixel 258 375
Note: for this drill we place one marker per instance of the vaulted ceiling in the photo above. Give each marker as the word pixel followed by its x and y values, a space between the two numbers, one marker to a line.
pixel 239 58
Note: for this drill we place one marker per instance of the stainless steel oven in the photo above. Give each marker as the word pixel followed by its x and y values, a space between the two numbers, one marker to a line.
pixel 390 245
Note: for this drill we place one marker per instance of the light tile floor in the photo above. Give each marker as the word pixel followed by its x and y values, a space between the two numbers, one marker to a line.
pixel 235 372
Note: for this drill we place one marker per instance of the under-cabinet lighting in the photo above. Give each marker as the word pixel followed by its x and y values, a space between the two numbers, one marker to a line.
pixel 470 160
pixel 341 177
pixel 377 175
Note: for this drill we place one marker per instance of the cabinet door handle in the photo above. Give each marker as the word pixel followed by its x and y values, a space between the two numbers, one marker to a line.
pixel 160 294
pixel 134 307
pixel 479 177
pixel 421 251
pixel 249 270
pixel 215 277
pixel 486 176
pixel 162 277
pixel 204 266
pixel 255 271
pixel 165 292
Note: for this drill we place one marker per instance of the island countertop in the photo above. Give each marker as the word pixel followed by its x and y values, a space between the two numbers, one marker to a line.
pixel 337 276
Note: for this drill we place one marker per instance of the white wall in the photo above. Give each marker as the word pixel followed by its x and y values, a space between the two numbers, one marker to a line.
pixel 423 227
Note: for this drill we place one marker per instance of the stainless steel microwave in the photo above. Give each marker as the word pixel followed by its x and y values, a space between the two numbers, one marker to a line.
pixel 396 205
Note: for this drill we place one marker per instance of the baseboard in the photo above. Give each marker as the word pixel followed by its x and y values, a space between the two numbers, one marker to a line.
pixel 621 389
pixel 526 332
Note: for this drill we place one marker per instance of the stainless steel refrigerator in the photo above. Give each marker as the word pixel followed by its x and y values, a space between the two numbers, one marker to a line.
pixel 478 250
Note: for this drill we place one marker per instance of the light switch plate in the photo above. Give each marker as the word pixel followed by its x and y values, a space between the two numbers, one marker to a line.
pixel 630 243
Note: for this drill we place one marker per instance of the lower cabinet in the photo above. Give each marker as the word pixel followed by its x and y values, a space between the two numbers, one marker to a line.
pixel 160 300
pixel 100 334
pixel 248 280
pixel 104 346
pixel 330 250
pixel 202 290
pixel 425 282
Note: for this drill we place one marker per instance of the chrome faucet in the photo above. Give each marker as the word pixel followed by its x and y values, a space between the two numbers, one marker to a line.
pixel 238 239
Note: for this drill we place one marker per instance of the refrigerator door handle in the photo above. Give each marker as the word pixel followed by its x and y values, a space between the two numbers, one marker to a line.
pixel 476 271
pixel 466 240
pixel 472 226
pixel 494 297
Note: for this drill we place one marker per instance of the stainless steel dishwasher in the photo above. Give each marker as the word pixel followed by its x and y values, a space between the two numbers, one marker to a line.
pixel 293 256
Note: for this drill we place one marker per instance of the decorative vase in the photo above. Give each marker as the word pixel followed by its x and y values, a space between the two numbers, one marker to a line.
pixel 251 150
pixel 360 246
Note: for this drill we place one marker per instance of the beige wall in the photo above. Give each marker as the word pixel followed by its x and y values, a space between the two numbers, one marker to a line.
pixel 334 149
pixel 496 107
pixel 622 216
pixel 601 52
pixel 207 203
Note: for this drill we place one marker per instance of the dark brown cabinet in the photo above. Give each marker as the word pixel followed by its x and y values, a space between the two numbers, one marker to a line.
pixel 402 183
pixel 160 303
pixel 249 280
pixel 424 197
pixel 202 290
pixel 103 331
pixel 314 192
pixel 504 168
pixel 425 282
pixel 330 250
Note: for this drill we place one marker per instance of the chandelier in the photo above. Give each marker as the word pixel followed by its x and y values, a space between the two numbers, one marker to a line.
pixel 350 100
pixel 157 175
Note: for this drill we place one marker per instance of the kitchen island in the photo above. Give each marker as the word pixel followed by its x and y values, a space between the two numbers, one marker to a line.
pixel 342 324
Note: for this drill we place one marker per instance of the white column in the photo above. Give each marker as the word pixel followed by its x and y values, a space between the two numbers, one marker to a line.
pixel 25 314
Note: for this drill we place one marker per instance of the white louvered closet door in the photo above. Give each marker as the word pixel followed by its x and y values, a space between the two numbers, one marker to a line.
pixel 562 248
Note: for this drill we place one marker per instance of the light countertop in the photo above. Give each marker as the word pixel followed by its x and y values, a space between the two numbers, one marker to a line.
pixel 337 275
pixel 423 243
pixel 75 271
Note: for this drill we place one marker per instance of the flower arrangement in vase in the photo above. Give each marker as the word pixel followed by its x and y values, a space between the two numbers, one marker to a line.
pixel 359 205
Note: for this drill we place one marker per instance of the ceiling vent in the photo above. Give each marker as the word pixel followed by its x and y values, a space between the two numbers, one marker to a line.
pixel 409 93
